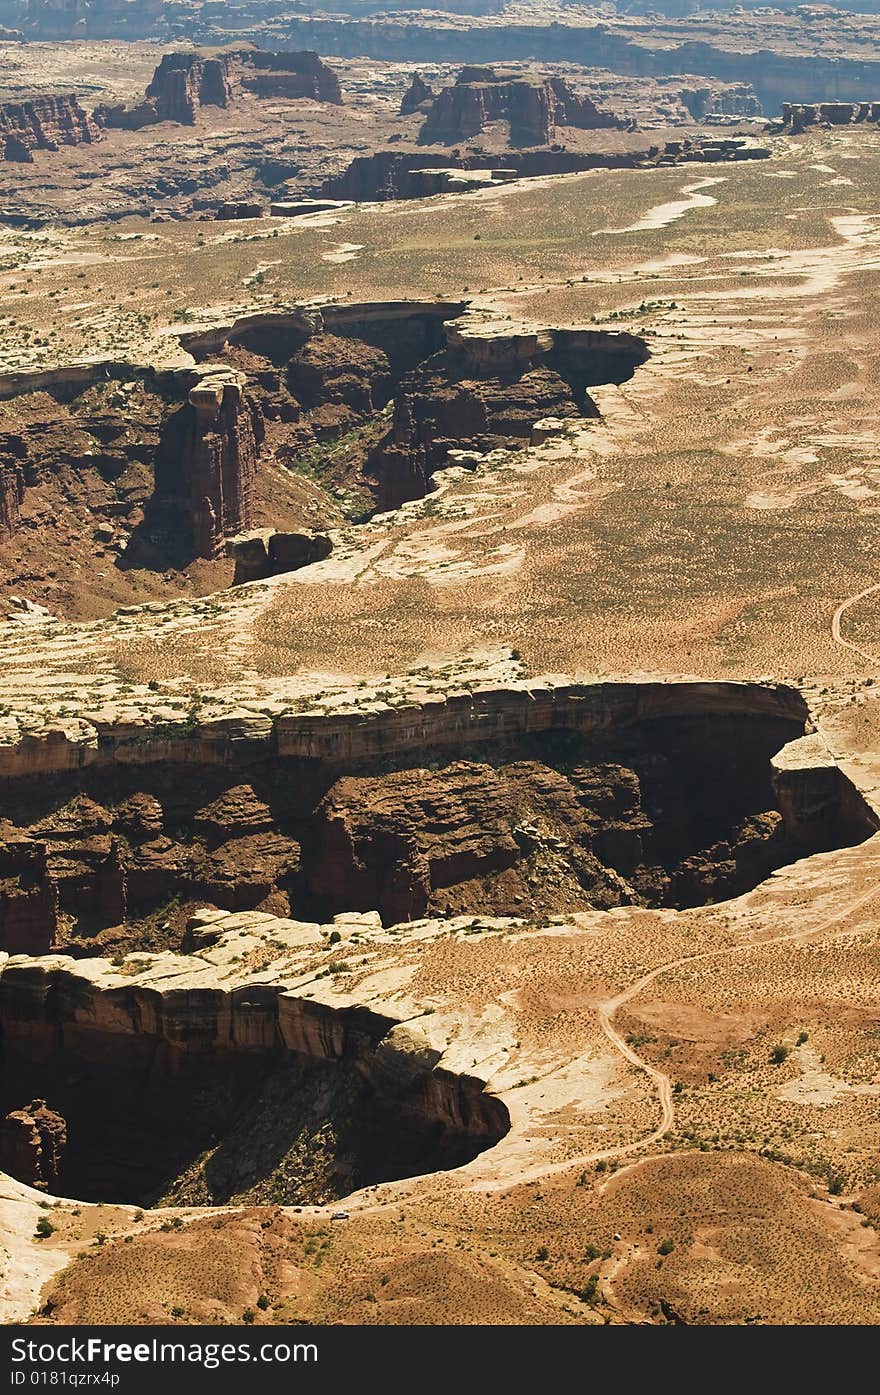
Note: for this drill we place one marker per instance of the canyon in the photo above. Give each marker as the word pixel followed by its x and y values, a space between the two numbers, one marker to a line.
pixel 145 1076
pixel 181 456
pixel 198 1092
pixel 439 714
pixel 612 797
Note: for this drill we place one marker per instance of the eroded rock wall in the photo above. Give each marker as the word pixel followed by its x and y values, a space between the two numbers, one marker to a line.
pixel 541 808
pixel 797 116
pixel 211 1093
pixel 43 123
pixel 188 80
pixel 533 107
pixel 484 392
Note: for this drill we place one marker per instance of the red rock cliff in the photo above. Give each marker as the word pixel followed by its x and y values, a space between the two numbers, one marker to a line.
pixel 207 460
pixel 44 123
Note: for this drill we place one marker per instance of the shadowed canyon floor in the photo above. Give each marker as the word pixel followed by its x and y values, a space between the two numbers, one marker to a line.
pixel 611 1100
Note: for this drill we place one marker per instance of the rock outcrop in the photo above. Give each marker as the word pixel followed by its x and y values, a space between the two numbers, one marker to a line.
pixel 182 84
pixel 32 1144
pixel 29 905
pixel 206 463
pixel 12 485
pixel 533 107
pixel 725 99
pixel 187 80
pixel 417 96
pixel 816 799
pixel 522 838
pixel 293 75
pixel 43 123
pixel 261 554
pixel 797 116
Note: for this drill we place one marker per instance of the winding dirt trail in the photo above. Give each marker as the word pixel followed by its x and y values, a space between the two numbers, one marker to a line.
pixel 609 1009
pixel 838 615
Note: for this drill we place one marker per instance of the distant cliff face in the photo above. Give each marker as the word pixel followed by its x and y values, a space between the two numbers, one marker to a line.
pixel 44 123
pixel 289 75
pixel 94 19
pixel 798 116
pixel 188 80
pixel 533 108
pixel 775 75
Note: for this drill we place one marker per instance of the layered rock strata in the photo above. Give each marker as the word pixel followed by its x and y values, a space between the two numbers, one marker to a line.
pixel 188 80
pixel 797 116
pixel 207 460
pixel 394 174
pixel 261 554
pixel 197 1080
pixel 593 800
pixel 532 107
pixel 43 123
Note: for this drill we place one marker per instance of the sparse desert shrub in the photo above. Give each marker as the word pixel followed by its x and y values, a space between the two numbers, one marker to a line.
pixel 665 1247
pixel 44 1229
pixel 779 1054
